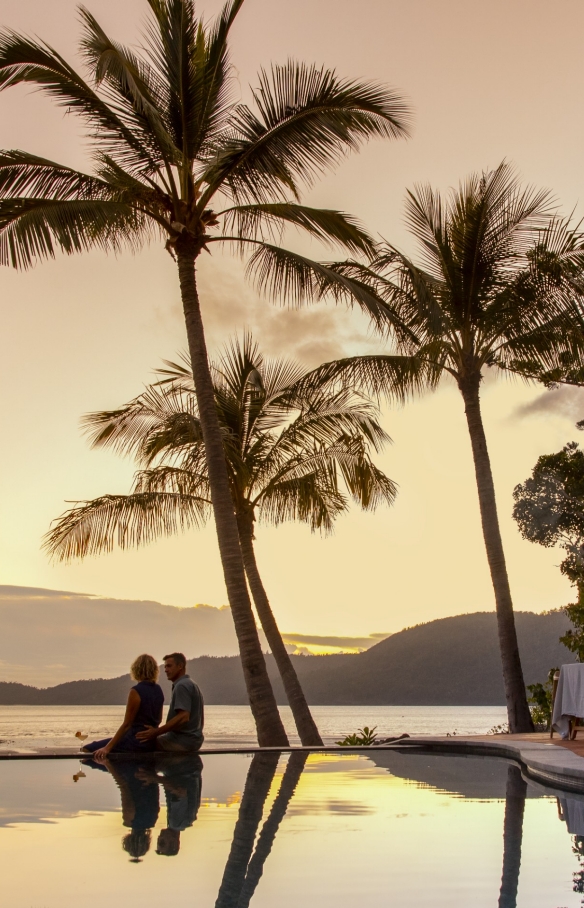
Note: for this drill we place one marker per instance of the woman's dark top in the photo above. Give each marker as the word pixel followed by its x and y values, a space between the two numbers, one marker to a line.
pixel 151 703
pixel 148 716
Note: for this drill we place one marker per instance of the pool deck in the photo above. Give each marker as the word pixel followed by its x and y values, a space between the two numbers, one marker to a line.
pixel 551 762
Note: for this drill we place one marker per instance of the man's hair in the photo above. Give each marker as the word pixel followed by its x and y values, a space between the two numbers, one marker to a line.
pixel 144 668
pixel 168 845
pixel 177 658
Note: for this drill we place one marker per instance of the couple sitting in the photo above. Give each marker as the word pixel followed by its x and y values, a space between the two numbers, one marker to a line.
pixel 141 731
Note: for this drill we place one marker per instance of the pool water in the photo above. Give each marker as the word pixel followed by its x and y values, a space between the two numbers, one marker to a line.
pixel 328 829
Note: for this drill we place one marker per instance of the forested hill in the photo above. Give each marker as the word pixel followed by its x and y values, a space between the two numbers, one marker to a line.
pixel 451 661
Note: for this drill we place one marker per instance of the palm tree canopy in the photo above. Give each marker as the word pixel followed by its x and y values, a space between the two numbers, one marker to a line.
pixel 499 283
pixel 170 140
pixel 292 453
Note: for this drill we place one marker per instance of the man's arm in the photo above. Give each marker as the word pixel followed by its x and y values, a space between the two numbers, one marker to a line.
pixel 181 718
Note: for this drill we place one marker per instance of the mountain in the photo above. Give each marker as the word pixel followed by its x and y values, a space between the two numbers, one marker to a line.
pixel 451 661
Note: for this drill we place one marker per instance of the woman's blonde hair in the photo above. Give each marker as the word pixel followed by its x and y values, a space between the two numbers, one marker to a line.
pixel 144 668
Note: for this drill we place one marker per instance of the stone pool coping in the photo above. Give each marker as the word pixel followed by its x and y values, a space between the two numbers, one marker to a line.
pixel 551 765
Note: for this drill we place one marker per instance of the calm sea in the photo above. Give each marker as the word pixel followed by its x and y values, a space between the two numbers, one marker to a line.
pixel 30 727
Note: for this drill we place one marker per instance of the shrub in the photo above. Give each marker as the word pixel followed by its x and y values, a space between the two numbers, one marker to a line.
pixel 364 737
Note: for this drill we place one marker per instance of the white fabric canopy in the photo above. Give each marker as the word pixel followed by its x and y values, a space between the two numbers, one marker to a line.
pixel 569 697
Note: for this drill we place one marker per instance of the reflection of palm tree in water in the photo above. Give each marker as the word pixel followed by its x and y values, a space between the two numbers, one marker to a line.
pixel 512 837
pixel 244 867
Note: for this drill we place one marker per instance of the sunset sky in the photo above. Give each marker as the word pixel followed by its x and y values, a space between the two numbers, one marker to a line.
pixel 486 81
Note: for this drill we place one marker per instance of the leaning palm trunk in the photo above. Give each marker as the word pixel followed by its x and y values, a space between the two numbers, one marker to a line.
pixel 305 724
pixel 270 729
pixel 517 708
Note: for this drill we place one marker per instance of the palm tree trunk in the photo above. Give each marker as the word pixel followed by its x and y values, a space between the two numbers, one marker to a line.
pixel 512 837
pixel 257 787
pixel 266 838
pixel 262 701
pixel 300 710
pixel 517 708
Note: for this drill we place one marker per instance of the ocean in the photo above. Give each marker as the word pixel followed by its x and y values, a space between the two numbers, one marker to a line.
pixel 28 728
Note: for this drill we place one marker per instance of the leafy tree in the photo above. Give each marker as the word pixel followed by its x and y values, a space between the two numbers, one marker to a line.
pixel 288 448
pixel 541 700
pixel 177 157
pixel 498 285
pixel 549 509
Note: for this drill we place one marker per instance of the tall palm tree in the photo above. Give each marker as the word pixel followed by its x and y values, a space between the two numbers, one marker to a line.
pixel 247 857
pixel 288 448
pixel 175 156
pixel 515 795
pixel 499 284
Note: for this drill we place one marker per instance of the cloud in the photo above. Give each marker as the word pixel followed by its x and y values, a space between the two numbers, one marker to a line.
pixel 312 334
pixel 50 636
pixel 332 641
pixel 565 401
pixel 34 592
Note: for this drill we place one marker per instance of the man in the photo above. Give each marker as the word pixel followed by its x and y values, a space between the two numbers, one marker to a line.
pixel 183 729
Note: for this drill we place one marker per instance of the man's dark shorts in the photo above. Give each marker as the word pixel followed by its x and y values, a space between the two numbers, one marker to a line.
pixel 171 742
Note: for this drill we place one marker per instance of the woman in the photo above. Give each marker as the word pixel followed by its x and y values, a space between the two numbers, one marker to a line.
pixel 143 710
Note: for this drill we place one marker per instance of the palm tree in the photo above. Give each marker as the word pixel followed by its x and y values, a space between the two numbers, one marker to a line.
pixel 288 447
pixel 170 141
pixel 515 795
pixel 259 780
pixel 245 864
pixel 499 285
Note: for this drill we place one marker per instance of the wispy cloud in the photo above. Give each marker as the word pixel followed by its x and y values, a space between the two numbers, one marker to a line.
pixel 312 334
pixel 566 401
pixel 341 642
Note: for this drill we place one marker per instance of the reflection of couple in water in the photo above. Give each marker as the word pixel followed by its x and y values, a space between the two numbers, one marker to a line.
pixel 139 785
pixel 141 731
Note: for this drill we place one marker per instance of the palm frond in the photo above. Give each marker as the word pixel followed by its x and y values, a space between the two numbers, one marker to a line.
pixel 127 429
pixel 25 61
pixel 131 86
pixel 292 277
pixel 395 377
pixel 23 174
pixel 95 527
pixel 268 220
pixel 36 228
pixel 312 499
pixel 307 119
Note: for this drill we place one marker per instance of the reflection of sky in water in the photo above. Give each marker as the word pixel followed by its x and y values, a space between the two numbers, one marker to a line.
pixel 404 830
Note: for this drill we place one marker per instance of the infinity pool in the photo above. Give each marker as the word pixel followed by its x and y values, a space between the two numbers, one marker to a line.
pixel 393 828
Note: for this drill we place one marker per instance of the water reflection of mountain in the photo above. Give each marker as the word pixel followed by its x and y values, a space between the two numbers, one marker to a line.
pixel 477 778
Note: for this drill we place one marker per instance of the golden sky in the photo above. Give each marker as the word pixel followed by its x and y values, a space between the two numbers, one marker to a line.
pixel 487 82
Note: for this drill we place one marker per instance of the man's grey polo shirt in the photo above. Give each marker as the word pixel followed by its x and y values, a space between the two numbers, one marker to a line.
pixel 186 695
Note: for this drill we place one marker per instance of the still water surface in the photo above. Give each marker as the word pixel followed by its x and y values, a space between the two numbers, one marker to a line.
pixel 31 727
pixel 270 831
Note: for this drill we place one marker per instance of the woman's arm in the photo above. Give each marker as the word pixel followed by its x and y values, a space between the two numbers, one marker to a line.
pixel 132 707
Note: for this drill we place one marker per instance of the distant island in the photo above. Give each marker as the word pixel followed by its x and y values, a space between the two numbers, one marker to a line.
pixel 448 662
